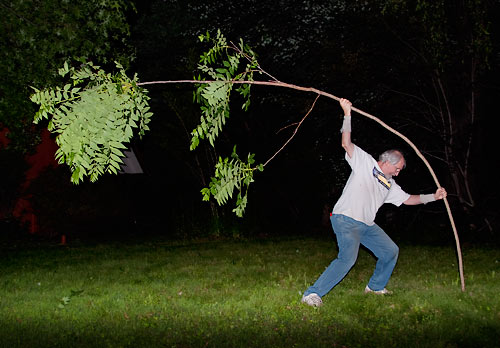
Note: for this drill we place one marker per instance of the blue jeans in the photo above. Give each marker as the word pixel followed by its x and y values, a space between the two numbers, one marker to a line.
pixel 350 234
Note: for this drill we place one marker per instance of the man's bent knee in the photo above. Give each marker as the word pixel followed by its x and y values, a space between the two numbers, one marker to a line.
pixel 347 260
pixel 393 252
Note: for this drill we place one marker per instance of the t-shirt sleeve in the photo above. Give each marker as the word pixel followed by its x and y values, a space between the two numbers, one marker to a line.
pixel 396 195
pixel 358 157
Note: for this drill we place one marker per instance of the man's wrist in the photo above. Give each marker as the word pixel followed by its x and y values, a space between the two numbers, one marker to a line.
pixel 427 198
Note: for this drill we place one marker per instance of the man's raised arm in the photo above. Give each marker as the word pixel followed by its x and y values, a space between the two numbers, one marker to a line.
pixel 346 127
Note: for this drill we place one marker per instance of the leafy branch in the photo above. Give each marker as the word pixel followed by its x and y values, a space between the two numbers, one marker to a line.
pixel 231 174
pixel 214 97
pixel 94 115
pixel 221 70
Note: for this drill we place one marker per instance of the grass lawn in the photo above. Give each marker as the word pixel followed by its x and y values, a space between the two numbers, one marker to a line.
pixel 241 294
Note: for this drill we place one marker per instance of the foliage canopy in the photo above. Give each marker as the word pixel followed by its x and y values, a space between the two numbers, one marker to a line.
pixel 95 114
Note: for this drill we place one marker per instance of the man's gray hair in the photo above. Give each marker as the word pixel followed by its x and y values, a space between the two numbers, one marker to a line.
pixel 392 156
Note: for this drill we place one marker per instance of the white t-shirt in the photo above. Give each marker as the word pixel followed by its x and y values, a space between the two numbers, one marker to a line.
pixel 363 193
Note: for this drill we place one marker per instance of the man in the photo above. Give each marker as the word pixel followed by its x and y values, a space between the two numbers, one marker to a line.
pixel 370 185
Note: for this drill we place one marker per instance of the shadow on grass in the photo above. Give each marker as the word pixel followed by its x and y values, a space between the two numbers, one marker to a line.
pixel 154 330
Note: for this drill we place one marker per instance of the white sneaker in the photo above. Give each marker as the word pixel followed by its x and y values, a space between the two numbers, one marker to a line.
pixel 384 291
pixel 312 300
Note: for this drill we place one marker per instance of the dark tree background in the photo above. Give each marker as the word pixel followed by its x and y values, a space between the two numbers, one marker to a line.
pixel 427 68
pixel 36 38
